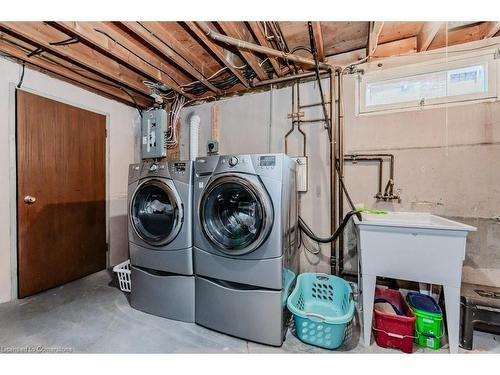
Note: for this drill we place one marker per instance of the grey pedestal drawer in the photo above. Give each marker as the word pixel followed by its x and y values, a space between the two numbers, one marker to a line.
pixel 253 314
pixel 167 295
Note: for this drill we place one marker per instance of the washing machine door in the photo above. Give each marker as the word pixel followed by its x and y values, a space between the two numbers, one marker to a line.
pixel 236 213
pixel 156 211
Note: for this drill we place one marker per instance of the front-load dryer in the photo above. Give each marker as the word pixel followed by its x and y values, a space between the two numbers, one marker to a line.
pixel 245 244
pixel 160 238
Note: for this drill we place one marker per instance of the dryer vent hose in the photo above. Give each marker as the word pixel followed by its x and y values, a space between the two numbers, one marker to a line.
pixel 194 134
pixel 309 233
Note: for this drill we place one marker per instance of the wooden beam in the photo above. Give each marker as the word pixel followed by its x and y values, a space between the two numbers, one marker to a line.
pixel 397 48
pixel 261 38
pixel 492 29
pixel 459 36
pixel 150 37
pixel 373 35
pixel 183 43
pixel 346 58
pixel 42 35
pixel 62 69
pixel 107 40
pixel 427 34
pixel 230 29
pixel 318 39
pixel 217 50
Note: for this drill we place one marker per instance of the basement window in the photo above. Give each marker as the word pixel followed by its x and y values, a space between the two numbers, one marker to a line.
pixel 451 82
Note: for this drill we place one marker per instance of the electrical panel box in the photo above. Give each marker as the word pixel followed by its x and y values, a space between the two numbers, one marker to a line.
pixel 154 134
pixel 301 173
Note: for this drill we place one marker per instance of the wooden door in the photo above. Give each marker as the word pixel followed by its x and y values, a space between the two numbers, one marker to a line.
pixel 60 193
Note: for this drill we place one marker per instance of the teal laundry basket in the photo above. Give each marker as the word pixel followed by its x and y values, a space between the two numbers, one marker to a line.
pixel 322 307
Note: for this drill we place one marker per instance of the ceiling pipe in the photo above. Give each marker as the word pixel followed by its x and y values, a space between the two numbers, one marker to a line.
pixel 285 79
pixel 212 34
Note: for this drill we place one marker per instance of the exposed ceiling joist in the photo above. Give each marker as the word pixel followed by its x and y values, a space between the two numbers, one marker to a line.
pixel 115 58
pixel 279 42
pixel 104 38
pixel 261 38
pixel 179 40
pixel 373 35
pixel 230 29
pixel 182 41
pixel 151 38
pixel 427 34
pixel 217 50
pixel 459 35
pixel 493 28
pixel 73 74
pixel 318 39
pixel 44 36
pixel 397 48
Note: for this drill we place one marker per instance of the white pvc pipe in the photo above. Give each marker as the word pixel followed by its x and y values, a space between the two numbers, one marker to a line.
pixel 194 133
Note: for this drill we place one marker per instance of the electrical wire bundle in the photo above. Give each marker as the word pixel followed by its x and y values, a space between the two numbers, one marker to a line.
pixel 175 114
pixel 225 82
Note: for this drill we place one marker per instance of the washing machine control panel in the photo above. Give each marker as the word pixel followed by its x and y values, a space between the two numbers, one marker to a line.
pixel 267 162
pixel 179 168
pixel 232 161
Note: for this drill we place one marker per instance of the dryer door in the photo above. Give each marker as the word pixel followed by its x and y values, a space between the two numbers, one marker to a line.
pixel 156 211
pixel 236 213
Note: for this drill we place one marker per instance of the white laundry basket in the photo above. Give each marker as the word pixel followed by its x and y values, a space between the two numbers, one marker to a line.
pixel 123 271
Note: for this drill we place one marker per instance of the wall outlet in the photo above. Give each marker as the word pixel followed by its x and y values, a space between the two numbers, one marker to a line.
pixel 212 147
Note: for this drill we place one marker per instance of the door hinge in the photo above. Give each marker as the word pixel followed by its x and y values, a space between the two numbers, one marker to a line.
pixel 106 133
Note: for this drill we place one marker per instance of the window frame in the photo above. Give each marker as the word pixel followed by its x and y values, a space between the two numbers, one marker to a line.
pixel 488 60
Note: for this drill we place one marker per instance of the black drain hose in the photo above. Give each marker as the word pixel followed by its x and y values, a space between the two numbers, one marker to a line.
pixel 309 233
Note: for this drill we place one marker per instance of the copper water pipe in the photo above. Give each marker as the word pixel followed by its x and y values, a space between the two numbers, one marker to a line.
pixel 333 176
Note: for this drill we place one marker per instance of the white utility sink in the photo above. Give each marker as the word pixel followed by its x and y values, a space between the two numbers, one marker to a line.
pixel 412 220
pixel 412 246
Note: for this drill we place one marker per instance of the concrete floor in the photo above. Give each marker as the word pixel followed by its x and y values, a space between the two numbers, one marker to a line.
pixel 92 315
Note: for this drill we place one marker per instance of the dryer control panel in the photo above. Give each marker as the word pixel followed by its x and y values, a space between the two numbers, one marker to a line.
pixel 179 167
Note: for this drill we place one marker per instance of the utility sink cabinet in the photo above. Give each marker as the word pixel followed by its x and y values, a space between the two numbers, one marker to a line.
pixel 412 246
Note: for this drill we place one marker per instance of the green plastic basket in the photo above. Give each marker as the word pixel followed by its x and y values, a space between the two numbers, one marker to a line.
pixel 429 323
pixel 322 306
pixel 428 329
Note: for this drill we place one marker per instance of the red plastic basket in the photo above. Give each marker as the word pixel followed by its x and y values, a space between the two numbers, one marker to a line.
pixel 395 331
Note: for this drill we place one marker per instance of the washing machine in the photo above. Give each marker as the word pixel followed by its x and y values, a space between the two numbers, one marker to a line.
pixel 160 238
pixel 245 244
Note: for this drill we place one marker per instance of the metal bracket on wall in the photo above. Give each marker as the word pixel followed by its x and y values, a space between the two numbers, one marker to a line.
pixel 301 173
pixel 296 116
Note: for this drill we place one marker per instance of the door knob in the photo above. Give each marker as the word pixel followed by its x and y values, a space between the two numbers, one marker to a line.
pixel 29 199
